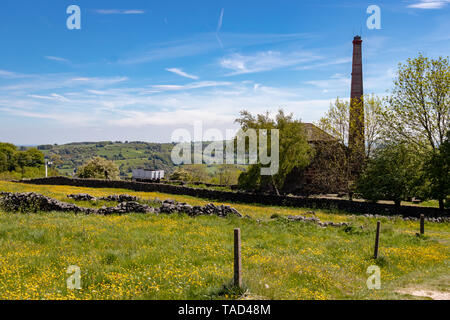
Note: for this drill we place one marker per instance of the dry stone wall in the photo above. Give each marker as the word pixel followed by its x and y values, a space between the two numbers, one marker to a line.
pixel 33 202
pixel 354 207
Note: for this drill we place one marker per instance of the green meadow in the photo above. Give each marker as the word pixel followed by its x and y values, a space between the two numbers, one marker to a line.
pixel 140 256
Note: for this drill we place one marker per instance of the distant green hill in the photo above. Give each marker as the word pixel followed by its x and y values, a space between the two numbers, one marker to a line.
pixel 127 155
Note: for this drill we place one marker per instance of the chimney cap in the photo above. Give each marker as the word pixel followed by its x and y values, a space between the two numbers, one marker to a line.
pixel 357 40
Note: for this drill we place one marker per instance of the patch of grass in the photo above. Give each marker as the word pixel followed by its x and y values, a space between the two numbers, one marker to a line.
pixel 178 257
pixel 227 291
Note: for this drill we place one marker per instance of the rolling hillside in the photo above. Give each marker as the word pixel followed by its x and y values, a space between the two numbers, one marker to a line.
pixel 133 155
pixel 127 155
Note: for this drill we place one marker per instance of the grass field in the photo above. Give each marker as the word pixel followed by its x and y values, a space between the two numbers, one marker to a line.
pixel 178 257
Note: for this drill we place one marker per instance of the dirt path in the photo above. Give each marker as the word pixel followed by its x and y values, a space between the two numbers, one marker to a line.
pixel 424 293
pixel 438 289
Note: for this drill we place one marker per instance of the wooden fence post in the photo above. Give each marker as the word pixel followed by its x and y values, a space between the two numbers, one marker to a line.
pixel 377 240
pixel 237 258
pixel 422 224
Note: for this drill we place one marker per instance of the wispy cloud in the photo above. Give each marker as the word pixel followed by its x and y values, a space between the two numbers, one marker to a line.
pixel 59 59
pixel 96 80
pixel 203 44
pixel 334 83
pixel 190 86
pixel 264 61
pixel 26 83
pixel 132 107
pixel 182 73
pixel 219 27
pixel 12 75
pixel 119 11
pixel 53 96
pixel 429 4
pixel 332 62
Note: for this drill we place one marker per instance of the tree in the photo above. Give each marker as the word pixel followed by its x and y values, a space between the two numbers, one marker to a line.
pixel 197 172
pixel 228 174
pixel 23 159
pixel 394 173
pixel 437 171
pixel 336 121
pixel 56 159
pixel 36 157
pixel 3 162
pixel 294 150
pixel 181 175
pixel 8 151
pixel 99 168
pixel 418 111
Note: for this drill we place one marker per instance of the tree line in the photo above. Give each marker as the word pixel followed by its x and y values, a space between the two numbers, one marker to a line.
pixel 407 139
pixel 18 160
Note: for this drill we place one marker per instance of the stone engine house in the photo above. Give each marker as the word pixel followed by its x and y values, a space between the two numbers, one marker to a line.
pixel 334 164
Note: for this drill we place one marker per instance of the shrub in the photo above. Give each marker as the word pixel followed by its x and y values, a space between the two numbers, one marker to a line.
pixel 99 168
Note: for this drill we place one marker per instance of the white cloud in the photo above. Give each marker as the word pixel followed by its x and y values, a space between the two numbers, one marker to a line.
pixel 194 85
pixel 264 61
pixel 219 24
pixel 12 75
pixel 53 96
pixel 56 59
pixel 182 73
pixel 204 43
pixel 118 11
pixel 375 81
pixel 219 27
pixel 334 83
pixel 97 81
pixel 429 4
pixel 217 104
pixel 325 64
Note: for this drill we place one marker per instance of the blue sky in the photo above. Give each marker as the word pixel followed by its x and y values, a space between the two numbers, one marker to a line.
pixel 139 69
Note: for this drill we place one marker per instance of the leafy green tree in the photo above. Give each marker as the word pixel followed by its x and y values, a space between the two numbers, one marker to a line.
pixel 228 174
pixel 181 175
pixel 294 150
pixel 418 111
pixel 3 162
pixel 251 179
pixel 336 121
pixel 197 172
pixel 23 159
pixel 394 173
pixel 36 157
pixel 8 151
pixel 99 168
pixel 437 172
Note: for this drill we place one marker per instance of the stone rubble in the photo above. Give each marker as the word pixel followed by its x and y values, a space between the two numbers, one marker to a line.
pixel 126 207
pixel 120 198
pixel 32 202
pixel 317 221
pixel 171 206
pixel 82 197
pixel 429 219
pixel 332 224
pixel 116 198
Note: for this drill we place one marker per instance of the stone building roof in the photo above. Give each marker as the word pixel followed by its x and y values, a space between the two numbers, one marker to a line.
pixel 315 134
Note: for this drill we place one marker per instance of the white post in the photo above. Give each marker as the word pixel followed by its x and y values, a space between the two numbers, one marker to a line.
pixel 47 163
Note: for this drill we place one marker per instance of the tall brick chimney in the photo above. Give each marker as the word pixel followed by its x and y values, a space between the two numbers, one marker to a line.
pixel 356 141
